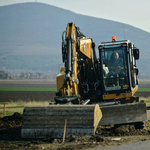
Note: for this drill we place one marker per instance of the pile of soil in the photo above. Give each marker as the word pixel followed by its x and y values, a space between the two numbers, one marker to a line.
pixel 129 130
pixel 11 121
pixel 124 130
pixel 10 136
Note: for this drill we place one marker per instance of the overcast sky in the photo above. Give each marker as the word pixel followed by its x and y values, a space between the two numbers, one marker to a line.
pixel 132 12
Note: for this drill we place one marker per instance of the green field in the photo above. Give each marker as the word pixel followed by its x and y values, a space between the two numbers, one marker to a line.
pixel 48 89
pixel 144 90
pixel 28 89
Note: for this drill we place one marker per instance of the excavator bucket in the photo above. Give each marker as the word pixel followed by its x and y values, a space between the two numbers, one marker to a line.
pixel 48 121
pixel 123 113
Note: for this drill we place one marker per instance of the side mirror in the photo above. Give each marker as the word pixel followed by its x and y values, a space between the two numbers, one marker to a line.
pixel 136 53
pixel 136 70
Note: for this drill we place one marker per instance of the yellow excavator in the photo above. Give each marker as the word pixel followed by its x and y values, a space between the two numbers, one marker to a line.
pixel 91 91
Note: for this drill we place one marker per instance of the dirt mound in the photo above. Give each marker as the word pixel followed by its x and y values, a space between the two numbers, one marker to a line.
pixel 124 130
pixel 11 121
pixel 128 130
pixel 10 127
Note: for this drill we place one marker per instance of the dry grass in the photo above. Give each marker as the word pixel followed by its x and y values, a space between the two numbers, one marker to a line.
pixel 32 103
pixel 144 98
pixel 19 106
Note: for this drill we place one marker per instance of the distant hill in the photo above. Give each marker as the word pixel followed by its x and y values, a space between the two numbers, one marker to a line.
pixel 30 36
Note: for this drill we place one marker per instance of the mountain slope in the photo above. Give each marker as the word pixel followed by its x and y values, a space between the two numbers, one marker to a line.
pixel 30 36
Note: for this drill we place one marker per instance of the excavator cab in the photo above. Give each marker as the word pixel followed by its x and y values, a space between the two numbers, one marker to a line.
pixel 118 69
pixel 118 76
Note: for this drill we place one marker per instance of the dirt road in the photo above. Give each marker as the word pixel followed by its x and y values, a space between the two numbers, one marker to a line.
pixel 143 145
